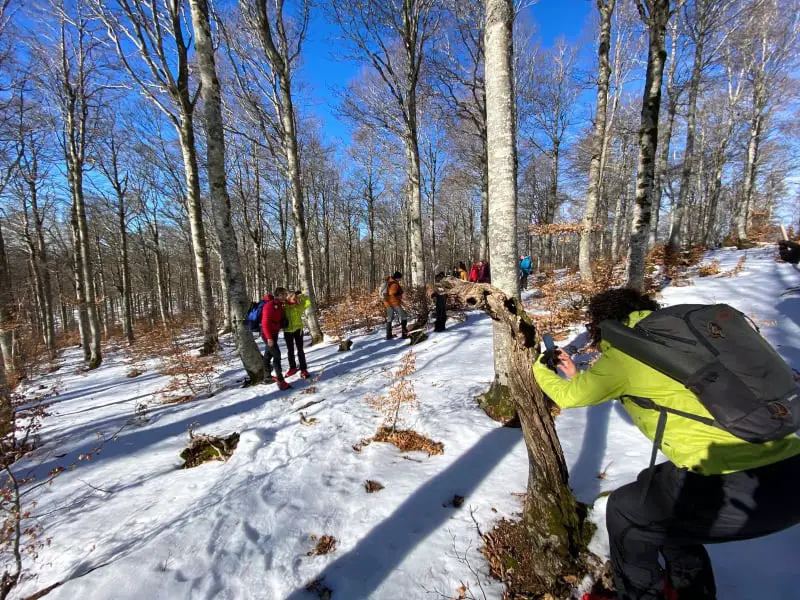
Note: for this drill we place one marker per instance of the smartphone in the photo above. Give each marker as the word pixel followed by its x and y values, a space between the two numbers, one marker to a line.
pixel 549 344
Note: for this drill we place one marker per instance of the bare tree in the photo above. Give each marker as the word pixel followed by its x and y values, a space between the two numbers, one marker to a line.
pixel 73 78
pixel 553 93
pixel 502 163
pixel 704 19
pixel 606 10
pixel 458 66
pixel 771 48
pixel 232 277
pixel 393 39
pixel 111 166
pixel 674 92
pixel 161 46
pixel 656 15
pixel 281 41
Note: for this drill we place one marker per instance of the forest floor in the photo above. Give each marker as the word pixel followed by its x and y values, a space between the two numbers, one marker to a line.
pixel 128 522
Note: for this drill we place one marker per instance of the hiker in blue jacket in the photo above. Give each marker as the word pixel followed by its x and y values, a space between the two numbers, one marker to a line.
pixel 525 267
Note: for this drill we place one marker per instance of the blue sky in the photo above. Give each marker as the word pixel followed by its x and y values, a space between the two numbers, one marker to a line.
pixel 323 73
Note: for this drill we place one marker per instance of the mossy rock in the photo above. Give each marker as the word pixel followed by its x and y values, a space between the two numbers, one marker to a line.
pixel 499 405
pixel 207 448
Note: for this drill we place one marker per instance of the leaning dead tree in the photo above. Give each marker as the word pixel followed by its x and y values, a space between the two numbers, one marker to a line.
pixel 553 520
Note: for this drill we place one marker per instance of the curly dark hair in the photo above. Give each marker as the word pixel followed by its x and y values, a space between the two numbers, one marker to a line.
pixel 616 304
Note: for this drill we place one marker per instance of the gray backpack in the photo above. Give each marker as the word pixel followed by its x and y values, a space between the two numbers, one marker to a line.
pixel 718 353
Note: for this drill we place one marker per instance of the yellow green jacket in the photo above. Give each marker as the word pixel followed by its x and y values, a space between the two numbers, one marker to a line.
pixel 687 443
pixel 294 313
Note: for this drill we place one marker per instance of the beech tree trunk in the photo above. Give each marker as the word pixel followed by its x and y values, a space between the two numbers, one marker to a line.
pixel 197 228
pixel 83 318
pixel 124 266
pixel 483 243
pixel 232 276
pixel 675 234
pixel 6 316
pixel 280 62
pixel 587 243
pixel 742 215
pixel 662 160
pixel 656 18
pixel 502 168
pixel 557 533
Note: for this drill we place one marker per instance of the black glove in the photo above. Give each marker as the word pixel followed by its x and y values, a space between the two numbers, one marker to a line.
pixel 550 359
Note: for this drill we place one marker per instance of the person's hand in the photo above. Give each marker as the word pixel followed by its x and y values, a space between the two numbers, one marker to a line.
pixel 270 342
pixel 566 364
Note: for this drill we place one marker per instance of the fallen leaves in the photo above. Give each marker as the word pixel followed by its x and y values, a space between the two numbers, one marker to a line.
pixel 325 545
pixel 373 486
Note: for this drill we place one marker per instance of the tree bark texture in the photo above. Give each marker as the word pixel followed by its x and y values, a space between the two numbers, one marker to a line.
pixel 232 276
pixel 558 536
pixel 662 160
pixel 658 13
pixel 280 62
pixel 678 211
pixel 502 167
pixel 6 315
pixel 77 271
pixel 587 243
pixel 198 231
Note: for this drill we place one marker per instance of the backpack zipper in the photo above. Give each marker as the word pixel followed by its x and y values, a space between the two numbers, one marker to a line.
pixel 675 338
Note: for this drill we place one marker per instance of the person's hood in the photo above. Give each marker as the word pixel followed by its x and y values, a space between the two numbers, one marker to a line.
pixel 268 297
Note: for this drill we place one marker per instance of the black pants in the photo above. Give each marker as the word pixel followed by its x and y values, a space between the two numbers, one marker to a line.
pixel 441 312
pixel 272 358
pixel 681 512
pixel 295 338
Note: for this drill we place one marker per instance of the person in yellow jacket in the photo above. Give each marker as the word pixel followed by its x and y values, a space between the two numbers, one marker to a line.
pixel 714 488
pixel 296 304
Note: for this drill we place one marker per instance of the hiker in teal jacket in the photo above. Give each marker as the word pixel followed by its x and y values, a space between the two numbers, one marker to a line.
pixel 296 304
pixel 714 488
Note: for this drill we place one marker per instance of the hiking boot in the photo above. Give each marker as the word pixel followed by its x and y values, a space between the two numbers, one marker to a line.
pixel 304 374
pixel 389 335
pixel 404 329
pixel 282 385
pixel 290 372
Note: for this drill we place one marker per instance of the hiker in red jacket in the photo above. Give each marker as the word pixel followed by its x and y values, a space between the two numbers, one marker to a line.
pixel 273 319
pixel 474 273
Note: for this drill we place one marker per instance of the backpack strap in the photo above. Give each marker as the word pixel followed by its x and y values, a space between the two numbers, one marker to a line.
pixel 658 438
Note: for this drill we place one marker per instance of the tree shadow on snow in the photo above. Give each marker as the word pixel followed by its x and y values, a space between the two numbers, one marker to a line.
pixel 584 475
pixel 362 570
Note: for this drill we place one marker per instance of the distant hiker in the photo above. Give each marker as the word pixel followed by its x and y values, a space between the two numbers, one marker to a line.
pixel 296 305
pixel 440 302
pixel 716 487
pixel 525 267
pixel 392 300
pixel 461 271
pixel 273 319
pixel 484 274
pixel 474 272
pixel 789 251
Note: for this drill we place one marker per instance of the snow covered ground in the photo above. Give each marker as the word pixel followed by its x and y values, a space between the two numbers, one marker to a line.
pixel 129 524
